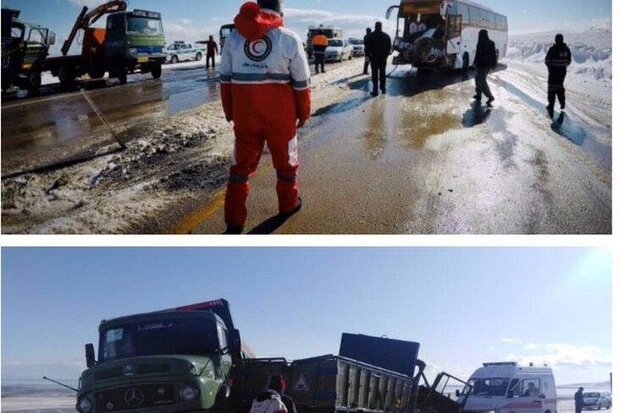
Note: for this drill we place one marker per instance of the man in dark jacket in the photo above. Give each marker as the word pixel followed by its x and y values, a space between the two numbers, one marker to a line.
pixel 485 61
pixel 366 58
pixel 579 400
pixel 558 59
pixel 212 50
pixel 379 48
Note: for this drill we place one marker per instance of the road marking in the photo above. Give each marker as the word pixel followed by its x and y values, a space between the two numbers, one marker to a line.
pixel 189 224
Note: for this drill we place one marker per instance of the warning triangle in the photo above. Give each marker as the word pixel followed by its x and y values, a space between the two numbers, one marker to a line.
pixel 301 384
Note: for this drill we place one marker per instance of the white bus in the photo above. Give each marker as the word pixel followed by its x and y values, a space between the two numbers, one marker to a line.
pixel 444 33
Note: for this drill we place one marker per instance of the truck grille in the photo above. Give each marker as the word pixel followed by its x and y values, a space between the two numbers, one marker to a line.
pixel 135 397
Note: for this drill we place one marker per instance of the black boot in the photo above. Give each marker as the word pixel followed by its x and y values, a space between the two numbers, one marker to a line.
pixel 550 111
pixel 234 230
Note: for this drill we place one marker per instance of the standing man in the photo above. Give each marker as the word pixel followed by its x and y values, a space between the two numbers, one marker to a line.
pixel 366 57
pixel 579 400
pixel 379 48
pixel 265 87
pixel 558 59
pixel 319 45
pixel 212 50
pixel 485 61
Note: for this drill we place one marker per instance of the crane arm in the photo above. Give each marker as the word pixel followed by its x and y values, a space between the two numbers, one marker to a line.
pixel 86 19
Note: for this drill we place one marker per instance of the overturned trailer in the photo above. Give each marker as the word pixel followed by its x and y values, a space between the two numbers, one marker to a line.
pixel 371 374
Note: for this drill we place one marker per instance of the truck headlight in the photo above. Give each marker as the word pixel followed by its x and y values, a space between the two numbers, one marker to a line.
pixel 85 405
pixel 189 393
pixel 133 51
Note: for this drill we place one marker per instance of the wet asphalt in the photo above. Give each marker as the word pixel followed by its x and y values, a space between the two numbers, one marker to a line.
pixel 425 160
pixel 55 124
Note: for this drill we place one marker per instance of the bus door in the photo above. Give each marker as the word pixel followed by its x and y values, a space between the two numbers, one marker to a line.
pixel 454 28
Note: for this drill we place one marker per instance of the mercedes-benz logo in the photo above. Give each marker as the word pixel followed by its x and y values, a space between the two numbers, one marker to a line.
pixel 134 397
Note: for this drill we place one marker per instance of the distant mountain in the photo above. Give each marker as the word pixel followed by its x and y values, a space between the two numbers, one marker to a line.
pixel 600 384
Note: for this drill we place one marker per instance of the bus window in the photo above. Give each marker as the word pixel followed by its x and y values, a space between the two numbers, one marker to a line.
pixel 486 19
pixel 474 16
pixel 464 11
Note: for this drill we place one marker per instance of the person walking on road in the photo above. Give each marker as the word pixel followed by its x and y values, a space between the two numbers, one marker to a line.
pixel 557 60
pixel 366 57
pixel 212 50
pixel 579 400
pixel 265 88
pixel 379 49
pixel 319 45
pixel 485 61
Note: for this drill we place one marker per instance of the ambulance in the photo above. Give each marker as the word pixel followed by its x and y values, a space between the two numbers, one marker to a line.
pixel 507 387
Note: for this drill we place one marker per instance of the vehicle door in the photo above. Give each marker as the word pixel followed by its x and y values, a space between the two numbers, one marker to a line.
pixel 525 396
pixel 454 30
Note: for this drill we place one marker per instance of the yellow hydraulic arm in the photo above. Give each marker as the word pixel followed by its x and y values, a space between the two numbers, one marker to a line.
pixel 86 19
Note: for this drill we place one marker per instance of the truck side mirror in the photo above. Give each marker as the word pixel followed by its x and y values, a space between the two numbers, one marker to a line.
pixel 90 355
pixel 511 394
pixel 458 393
pixel 51 38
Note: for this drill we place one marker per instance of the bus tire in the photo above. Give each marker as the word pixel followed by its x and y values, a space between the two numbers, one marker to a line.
pixel 198 57
pixel 156 70
pixel 33 82
pixel 466 63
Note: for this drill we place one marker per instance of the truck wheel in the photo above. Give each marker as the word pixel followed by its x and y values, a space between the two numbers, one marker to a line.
pixel 198 57
pixel 66 77
pixel 156 70
pixel 174 59
pixel 96 73
pixel 122 77
pixel 34 81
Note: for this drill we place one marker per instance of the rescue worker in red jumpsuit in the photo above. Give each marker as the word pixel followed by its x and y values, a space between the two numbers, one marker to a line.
pixel 265 81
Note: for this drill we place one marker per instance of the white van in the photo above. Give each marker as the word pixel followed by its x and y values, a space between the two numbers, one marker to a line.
pixel 507 388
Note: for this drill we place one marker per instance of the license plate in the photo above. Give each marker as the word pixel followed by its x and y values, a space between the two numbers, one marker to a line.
pixel 143 59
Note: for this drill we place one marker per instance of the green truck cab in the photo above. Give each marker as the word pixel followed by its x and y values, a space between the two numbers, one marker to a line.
pixel 176 360
pixel 25 47
pixel 136 40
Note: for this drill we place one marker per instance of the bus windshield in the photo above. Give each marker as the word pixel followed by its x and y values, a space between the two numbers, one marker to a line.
pixel 144 25
pixel 186 336
pixel 488 387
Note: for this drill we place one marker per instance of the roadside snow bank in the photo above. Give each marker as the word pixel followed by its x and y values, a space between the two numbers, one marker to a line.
pixel 591 51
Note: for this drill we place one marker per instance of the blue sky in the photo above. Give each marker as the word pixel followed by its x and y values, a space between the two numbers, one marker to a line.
pixel 465 306
pixel 196 19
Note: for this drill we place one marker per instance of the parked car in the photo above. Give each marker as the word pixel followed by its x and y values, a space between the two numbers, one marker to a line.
pixel 181 51
pixel 338 50
pixel 358 47
pixel 597 400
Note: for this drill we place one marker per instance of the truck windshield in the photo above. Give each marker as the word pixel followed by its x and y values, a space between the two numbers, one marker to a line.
pixel 488 387
pixel 144 25
pixel 160 337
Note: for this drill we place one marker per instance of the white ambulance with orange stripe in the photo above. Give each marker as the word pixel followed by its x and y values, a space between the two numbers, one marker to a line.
pixel 509 388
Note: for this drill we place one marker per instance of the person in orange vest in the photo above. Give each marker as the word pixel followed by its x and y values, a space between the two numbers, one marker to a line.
pixel 265 88
pixel 319 45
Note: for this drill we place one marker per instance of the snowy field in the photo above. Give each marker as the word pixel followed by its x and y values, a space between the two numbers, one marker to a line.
pixel 591 71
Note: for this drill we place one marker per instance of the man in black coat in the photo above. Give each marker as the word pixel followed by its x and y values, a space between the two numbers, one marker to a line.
pixel 366 58
pixel 485 61
pixel 579 400
pixel 379 49
pixel 558 59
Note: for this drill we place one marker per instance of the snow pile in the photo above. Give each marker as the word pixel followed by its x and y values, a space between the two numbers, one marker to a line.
pixel 591 50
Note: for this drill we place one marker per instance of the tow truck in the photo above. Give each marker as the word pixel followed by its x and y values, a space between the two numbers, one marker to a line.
pixel 132 40
pixel 25 47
